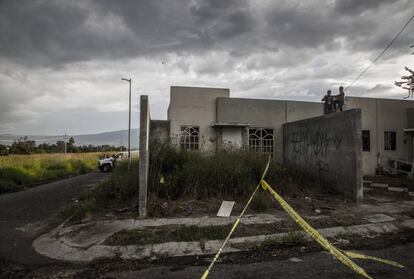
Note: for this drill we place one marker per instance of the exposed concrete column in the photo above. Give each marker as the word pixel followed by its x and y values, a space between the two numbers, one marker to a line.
pixel 144 126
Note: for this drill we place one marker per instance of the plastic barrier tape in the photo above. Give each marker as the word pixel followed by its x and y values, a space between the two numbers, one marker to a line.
pixel 342 256
pixel 207 271
pixel 355 255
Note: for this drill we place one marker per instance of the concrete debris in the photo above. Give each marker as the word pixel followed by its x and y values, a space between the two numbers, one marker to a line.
pixel 225 209
pixel 379 218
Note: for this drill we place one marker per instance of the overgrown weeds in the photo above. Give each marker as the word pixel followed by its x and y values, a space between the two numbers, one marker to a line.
pixel 177 175
pixel 18 171
pixel 120 190
pixel 196 175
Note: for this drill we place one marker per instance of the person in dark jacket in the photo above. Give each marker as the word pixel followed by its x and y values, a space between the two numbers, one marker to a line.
pixel 328 102
pixel 339 99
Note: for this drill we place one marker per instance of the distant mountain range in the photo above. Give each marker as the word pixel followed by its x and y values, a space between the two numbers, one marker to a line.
pixel 116 138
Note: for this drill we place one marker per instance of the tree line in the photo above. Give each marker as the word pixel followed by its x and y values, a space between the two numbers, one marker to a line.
pixel 25 146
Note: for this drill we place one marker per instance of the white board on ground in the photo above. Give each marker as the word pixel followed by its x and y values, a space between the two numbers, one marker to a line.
pixel 225 209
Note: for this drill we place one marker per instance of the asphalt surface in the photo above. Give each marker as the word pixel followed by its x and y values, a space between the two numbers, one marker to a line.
pixel 311 265
pixel 23 216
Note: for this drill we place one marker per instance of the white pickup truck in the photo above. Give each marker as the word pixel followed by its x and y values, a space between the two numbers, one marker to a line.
pixel 106 164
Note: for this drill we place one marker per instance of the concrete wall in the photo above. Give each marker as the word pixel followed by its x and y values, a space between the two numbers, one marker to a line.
pixel 328 147
pixel 410 118
pixel 144 136
pixel 266 114
pixel 160 131
pixel 195 106
pixel 378 116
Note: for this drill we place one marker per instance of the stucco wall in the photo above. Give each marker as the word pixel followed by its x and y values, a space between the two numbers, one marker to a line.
pixel 328 147
pixel 160 131
pixel 410 118
pixel 378 116
pixel 195 106
pixel 260 113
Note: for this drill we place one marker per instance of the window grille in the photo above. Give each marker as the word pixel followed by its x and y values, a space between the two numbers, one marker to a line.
pixel 390 140
pixel 189 138
pixel 261 140
pixel 366 141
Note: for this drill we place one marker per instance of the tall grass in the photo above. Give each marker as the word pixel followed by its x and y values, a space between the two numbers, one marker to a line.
pixel 17 171
pixel 120 190
pixel 176 174
pixel 196 175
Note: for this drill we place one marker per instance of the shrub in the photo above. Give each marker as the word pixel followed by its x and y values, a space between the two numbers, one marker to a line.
pixel 121 189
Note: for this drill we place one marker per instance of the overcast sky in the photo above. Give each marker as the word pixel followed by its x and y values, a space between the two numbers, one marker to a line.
pixel 61 62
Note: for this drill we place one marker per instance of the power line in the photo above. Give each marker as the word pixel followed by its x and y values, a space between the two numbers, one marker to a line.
pixel 382 52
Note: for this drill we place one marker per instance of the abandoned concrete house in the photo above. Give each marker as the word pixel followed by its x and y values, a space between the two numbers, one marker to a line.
pixel 342 146
pixel 208 119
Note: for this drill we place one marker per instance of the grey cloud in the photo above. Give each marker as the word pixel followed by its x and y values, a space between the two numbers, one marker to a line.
pixel 308 25
pixel 51 33
pixel 258 48
pixel 358 6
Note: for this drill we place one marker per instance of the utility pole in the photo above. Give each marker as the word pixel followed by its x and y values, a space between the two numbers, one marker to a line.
pixel 129 124
pixel 64 139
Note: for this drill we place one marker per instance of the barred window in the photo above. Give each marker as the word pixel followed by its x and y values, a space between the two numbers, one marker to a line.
pixel 366 141
pixel 390 140
pixel 189 138
pixel 261 140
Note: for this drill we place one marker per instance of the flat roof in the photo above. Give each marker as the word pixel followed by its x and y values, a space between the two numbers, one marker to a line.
pixel 229 124
pixel 199 87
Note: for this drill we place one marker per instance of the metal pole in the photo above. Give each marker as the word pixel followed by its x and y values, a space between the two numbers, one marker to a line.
pixel 129 124
pixel 66 150
pixel 129 128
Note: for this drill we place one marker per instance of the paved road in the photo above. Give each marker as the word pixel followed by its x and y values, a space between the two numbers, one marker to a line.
pixel 23 216
pixel 313 265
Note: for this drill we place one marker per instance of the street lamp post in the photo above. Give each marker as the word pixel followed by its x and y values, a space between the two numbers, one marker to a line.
pixel 129 124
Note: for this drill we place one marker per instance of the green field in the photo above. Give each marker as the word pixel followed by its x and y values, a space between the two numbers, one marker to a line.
pixel 18 171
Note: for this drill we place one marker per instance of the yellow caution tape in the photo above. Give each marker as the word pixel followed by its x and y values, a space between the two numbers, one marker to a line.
pixel 355 255
pixel 342 256
pixel 314 233
pixel 207 271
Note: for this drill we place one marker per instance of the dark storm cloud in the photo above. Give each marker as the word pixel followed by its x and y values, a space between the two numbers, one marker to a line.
pixel 259 48
pixel 52 33
pixel 49 33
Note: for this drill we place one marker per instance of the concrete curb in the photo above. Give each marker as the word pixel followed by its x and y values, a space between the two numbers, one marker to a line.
pixel 51 246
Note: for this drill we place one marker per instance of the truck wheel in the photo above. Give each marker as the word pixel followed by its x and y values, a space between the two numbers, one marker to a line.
pixel 106 168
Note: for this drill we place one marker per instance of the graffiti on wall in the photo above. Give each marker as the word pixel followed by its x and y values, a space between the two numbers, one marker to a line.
pixel 316 144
